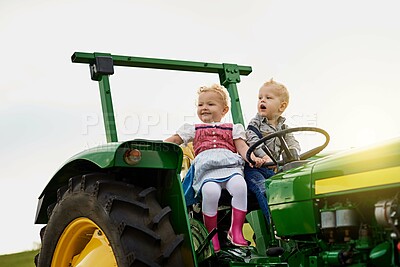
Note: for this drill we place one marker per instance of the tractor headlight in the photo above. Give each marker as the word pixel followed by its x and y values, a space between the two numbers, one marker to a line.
pixel 132 156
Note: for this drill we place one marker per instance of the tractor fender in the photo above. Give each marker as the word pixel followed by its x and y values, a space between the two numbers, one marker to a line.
pixel 108 157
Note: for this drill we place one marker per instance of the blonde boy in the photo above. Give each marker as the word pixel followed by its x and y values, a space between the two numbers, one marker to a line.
pixel 273 99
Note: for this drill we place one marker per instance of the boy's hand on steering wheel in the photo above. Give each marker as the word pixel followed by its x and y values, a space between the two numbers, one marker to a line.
pixel 267 159
pixel 258 161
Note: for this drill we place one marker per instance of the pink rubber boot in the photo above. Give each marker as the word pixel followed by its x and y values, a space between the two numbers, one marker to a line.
pixel 211 223
pixel 235 234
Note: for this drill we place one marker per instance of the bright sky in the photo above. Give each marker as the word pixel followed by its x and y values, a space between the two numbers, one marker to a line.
pixel 340 61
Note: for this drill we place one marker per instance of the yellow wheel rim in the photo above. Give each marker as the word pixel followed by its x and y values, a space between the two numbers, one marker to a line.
pixel 82 244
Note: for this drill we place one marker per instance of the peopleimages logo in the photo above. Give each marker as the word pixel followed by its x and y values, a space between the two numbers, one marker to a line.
pixel 143 124
pixel 302 120
pixel 162 125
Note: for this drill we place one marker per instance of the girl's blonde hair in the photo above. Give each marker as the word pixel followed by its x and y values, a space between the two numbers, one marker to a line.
pixel 219 89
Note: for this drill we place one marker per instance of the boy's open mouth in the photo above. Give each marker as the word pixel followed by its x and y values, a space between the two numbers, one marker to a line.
pixel 262 106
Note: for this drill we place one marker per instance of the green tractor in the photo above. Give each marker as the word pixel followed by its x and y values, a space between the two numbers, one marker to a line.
pixel 123 204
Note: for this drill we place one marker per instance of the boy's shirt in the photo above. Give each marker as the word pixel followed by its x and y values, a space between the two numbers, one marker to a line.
pixel 265 128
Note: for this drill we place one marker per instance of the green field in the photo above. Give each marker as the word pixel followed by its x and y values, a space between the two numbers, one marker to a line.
pixel 22 259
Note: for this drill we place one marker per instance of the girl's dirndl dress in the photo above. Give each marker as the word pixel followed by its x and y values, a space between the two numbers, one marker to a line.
pixel 216 158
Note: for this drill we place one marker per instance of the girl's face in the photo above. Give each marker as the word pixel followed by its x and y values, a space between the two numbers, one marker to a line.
pixel 270 104
pixel 211 107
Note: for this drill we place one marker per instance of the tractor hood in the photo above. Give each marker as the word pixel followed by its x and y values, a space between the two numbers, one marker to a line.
pixel 358 169
pixel 355 169
pixel 297 190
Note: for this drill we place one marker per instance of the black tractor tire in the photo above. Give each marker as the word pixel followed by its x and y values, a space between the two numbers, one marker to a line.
pixel 138 229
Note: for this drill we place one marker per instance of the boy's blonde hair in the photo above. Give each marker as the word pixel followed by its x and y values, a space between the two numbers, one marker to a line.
pixel 282 90
pixel 219 89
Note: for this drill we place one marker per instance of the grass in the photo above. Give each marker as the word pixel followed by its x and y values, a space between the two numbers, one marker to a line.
pixel 21 259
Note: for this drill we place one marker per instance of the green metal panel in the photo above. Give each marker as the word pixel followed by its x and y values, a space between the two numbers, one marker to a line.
pixel 294 218
pixel 290 186
pixel 289 195
pixel 262 237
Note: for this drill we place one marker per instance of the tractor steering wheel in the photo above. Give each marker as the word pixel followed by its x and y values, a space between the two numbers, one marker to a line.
pixel 290 155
